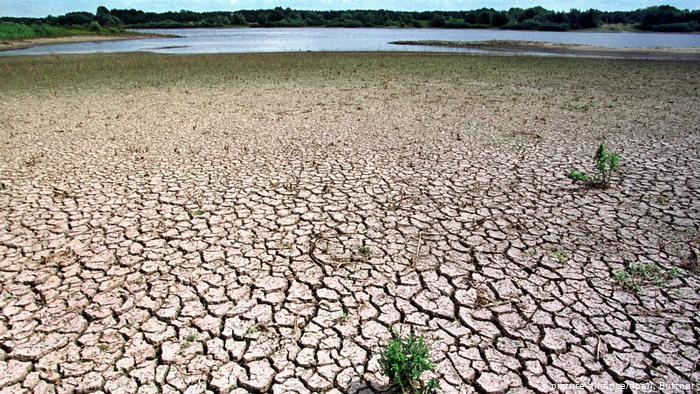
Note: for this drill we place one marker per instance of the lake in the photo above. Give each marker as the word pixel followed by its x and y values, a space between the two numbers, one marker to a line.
pixel 248 40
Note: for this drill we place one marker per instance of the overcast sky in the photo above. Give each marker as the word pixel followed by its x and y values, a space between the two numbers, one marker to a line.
pixel 56 7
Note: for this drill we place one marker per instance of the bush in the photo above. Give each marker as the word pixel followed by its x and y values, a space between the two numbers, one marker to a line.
pixel 404 360
pixel 95 26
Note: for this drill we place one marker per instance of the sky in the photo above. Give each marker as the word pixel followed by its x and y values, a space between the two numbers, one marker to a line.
pixel 38 8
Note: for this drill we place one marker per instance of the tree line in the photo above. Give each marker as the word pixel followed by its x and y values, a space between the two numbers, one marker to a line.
pixel 659 18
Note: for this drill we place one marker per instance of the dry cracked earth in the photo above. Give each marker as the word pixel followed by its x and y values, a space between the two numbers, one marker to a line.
pixel 266 234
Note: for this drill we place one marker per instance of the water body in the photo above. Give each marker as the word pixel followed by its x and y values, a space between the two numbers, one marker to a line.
pixel 197 41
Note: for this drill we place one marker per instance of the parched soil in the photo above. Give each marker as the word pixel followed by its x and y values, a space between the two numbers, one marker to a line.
pixel 263 229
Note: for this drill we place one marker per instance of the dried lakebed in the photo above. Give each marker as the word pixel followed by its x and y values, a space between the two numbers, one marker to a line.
pixel 559 49
pixel 258 223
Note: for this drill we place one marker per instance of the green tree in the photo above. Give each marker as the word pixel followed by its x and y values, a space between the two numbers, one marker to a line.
pixel 590 19
pixel 238 19
pixel 438 21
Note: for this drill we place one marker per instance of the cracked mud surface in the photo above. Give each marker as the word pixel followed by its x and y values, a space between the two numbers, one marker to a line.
pixel 263 234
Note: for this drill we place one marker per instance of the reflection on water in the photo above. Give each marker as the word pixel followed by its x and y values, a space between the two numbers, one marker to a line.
pixel 340 39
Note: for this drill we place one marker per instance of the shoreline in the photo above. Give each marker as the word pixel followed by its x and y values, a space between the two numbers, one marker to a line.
pixel 533 47
pixel 33 42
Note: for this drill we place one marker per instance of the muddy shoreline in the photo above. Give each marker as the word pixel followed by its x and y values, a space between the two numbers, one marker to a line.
pixel 532 47
pixel 24 44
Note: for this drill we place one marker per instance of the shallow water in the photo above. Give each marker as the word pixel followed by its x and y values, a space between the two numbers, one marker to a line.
pixel 193 41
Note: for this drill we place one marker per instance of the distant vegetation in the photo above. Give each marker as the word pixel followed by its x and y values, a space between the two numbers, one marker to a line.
pixel 661 18
pixel 21 31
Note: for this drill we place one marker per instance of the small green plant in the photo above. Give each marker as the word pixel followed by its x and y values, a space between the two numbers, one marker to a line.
pixel 662 200
pixel 578 176
pixel 345 316
pixel 634 276
pixel 365 251
pixel 188 341
pixel 559 255
pixel 675 273
pixel 404 360
pixel 326 249
pixel 605 164
pixel 198 212
pixel 580 106
pixel 625 279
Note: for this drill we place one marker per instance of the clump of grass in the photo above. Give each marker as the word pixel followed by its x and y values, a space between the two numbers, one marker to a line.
pixel 635 276
pixel 578 176
pixel 198 212
pixel 188 342
pixel 577 106
pixel 345 316
pixel 662 200
pixel 560 256
pixel 605 164
pixel 404 361
pixel 365 251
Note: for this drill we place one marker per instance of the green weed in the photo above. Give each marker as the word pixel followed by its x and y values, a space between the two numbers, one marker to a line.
pixel 635 276
pixel 578 176
pixel 580 106
pixel 345 317
pixel 559 255
pixel 662 200
pixel 365 251
pixel 404 360
pixel 189 339
pixel 605 164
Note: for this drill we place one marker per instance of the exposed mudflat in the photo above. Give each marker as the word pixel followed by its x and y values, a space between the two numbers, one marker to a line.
pixel 266 231
pixel 32 42
pixel 570 50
